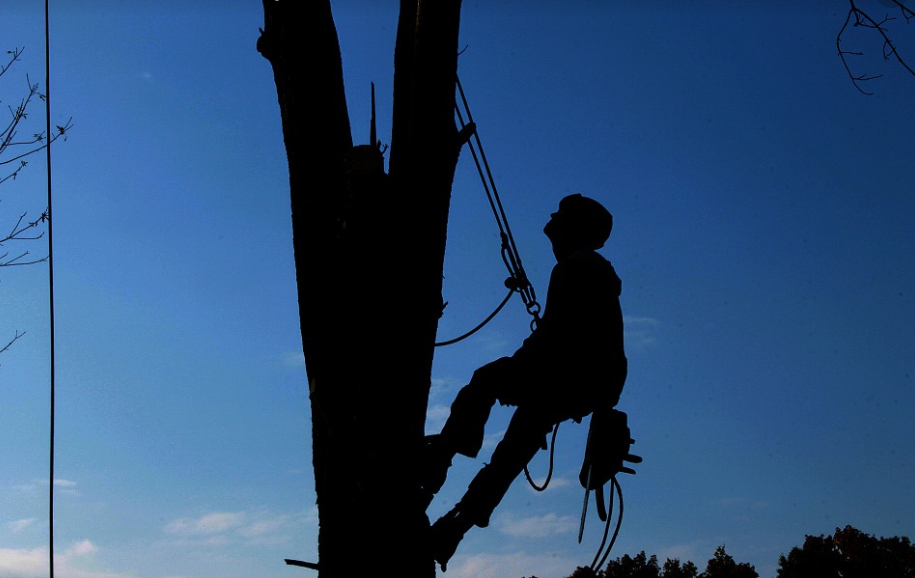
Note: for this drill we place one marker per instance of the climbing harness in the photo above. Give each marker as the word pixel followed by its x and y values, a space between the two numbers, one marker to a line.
pixel 517 281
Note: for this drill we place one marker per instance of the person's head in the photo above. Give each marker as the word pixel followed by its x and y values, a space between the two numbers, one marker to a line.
pixel 580 223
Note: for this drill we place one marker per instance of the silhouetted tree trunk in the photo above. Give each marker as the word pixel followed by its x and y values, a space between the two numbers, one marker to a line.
pixel 369 251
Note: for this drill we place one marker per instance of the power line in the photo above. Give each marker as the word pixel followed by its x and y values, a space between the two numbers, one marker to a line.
pixel 47 100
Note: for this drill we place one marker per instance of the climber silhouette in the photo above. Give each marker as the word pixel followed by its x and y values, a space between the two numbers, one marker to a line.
pixel 572 365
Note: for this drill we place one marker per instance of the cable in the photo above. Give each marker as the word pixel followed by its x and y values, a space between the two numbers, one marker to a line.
pixel 47 100
pixel 480 326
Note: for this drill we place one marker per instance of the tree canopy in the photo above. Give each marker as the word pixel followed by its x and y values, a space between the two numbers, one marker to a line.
pixel 848 553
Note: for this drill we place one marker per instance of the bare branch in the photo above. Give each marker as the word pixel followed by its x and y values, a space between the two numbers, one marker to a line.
pixel 61 132
pixel 12 341
pixel 16 234
pixel 858 18
pixel 13 58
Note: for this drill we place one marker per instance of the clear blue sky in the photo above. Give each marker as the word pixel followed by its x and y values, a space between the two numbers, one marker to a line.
pixel 763 231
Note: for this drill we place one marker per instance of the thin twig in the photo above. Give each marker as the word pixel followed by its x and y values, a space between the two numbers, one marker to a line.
pixel 864 20
pixel 12 341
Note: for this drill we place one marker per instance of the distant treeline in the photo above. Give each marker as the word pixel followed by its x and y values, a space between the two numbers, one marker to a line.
pixel 849 553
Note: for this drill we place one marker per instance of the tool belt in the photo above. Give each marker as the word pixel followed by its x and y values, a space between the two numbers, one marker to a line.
pixel 609 440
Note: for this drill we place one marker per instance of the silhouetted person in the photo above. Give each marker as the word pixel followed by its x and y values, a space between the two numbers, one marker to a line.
pixel 573 364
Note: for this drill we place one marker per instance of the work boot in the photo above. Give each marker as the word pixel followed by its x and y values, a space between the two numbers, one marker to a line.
pixel 436 455
pixel 446 534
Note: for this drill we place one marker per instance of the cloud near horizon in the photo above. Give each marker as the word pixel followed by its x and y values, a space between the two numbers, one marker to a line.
pixel 537 526
pixel 248 527
pixel 34 562
pixel 517 564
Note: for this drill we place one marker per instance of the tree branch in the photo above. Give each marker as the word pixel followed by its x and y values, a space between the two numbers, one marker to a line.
pixel 12 341
pixel 858 18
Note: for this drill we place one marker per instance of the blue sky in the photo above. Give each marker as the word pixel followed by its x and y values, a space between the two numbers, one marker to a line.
pixel 763 232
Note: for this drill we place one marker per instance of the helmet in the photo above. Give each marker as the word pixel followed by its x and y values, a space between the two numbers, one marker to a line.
pixel 586 219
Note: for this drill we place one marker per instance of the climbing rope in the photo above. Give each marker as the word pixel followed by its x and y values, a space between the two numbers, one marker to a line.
pixel 517 281
pixel 480 326
pixel 549 471
pixel 601 552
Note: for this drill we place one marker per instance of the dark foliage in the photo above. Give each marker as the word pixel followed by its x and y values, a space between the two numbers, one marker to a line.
pixel 849 553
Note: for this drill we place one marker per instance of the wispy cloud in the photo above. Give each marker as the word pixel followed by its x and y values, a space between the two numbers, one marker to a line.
pixel 537 526
pixel 688 551
pixel 518 564
pixel 555 483
pixel 212 523
pixel 640 331
pixel 17 526
pixel 62 486
pixel 493 439
pixel 225 528
pixel 436 416
pixel 294 359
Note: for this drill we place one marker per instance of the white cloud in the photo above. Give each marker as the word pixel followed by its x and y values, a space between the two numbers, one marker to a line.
pixel 23 563
pixel 63 486
pixel 213 523
pixel 17 526
pixel 34 563
pixel 519 564
pixel 261 527
pixel 253 527
pixel 84 548
pixel 538 526
pixel 640 331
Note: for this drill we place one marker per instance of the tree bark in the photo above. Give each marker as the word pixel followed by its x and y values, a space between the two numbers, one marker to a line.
pixel 369 252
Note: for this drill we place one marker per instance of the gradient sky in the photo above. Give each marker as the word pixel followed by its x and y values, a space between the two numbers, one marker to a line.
pixel 763 231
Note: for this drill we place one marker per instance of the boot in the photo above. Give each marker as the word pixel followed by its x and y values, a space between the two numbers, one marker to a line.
pixel 446 534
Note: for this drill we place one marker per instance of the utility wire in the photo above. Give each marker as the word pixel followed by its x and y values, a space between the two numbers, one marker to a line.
pixel 49 135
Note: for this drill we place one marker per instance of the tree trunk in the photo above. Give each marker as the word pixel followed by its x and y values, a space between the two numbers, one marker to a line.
pixel 369 252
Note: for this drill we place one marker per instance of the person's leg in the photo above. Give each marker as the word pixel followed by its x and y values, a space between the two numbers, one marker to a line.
pixel 524 437
pixel 463 431
pixel 466 425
